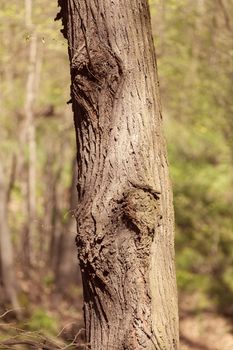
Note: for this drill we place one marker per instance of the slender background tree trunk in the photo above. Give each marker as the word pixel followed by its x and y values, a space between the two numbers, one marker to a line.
pixel 125 214
pixel 67 272
pixel 31 132
pixel 6 248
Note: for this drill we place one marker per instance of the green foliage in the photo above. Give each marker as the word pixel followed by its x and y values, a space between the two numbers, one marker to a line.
pixel 54 132
pixel 49 280
pixel 194 49
pixel 40 320
pixel 24 301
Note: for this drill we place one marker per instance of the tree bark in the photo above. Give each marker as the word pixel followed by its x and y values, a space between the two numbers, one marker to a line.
pixel 6 249
pixel 31 135
pixel 125 214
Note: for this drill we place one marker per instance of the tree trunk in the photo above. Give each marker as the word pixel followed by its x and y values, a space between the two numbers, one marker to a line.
pixel 6 249
pixel 68 272
pixel 31 134
pixel 125 214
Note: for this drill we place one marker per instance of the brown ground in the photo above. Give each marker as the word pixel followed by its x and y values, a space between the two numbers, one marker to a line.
pixel 203 330
pixel 206 332
pixel 199 329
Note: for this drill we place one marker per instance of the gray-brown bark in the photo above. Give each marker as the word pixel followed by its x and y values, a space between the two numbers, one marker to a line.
pixel 125 215
pixel 31 134
pixel 7 271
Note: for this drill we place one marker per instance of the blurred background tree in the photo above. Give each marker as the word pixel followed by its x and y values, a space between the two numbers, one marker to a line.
pixel 194 45
pixel 37 141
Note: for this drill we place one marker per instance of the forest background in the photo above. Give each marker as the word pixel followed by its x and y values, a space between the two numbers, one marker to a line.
pixel 40 285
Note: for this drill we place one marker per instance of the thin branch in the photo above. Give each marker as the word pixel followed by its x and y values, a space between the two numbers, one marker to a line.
pixel 8 311
pixel 27 342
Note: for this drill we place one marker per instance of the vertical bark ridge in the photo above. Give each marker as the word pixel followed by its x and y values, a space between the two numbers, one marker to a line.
pixel 125 215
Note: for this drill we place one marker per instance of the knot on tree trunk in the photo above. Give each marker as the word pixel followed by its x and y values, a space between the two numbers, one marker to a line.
pixel 101 238
pixel 141 210
pixel 96 73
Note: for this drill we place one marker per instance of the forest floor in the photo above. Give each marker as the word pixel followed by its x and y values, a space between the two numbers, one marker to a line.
pixel 49 315
pixel 203 330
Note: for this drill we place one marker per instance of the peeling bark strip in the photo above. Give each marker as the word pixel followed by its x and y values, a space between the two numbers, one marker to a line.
pixel 125 214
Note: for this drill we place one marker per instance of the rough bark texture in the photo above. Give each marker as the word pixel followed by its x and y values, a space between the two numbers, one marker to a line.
pixel 125 215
